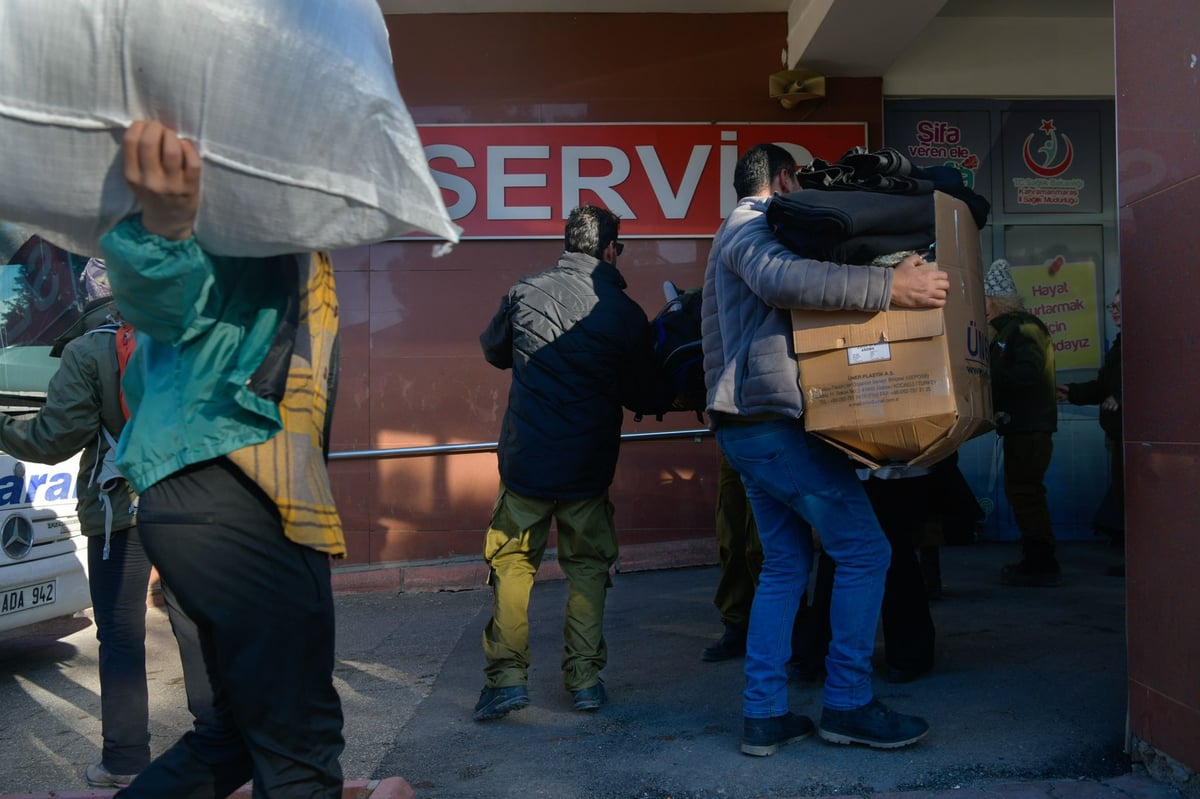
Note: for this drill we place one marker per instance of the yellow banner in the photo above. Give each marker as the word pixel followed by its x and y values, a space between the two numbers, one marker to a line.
pixel 1063 296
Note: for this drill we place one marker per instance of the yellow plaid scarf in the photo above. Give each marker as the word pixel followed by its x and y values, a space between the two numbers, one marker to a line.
pixel 290 467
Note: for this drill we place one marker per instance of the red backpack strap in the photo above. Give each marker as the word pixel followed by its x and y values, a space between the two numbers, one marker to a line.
pixel 125 346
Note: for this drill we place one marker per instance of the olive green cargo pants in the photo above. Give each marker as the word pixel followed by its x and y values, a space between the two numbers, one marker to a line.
pixel 515 544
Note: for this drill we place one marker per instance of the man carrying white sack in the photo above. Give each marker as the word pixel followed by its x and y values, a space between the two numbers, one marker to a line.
pixel 230 395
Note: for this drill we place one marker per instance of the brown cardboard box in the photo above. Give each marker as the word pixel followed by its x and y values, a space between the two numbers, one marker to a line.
pixel 903 387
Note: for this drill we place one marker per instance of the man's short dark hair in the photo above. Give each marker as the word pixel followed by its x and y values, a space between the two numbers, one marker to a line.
pixel 590 229
pixel 758 166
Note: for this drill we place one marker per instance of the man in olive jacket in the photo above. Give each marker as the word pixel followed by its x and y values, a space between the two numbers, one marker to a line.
pixel 579 349
pixel 1026 406
pixel 83 401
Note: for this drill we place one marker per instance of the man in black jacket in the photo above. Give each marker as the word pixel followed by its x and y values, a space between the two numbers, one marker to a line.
pixel 1105 391
pixel 579 349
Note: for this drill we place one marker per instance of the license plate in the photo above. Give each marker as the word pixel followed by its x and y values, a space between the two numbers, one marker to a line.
pixel 25 597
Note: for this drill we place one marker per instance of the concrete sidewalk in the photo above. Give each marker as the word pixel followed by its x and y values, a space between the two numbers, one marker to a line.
pixel 1027 699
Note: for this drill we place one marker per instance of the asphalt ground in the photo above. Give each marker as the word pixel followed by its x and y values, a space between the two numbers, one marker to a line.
pixel 1029 690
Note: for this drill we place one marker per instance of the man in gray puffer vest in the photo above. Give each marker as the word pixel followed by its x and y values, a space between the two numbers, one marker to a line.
pixel 83 401
pixel 579 349
pixel 796 482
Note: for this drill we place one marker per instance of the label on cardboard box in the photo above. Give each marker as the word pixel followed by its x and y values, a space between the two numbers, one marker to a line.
pixel 870 353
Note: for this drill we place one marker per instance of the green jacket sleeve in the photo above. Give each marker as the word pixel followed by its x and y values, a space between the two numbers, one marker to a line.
pixel 69 421
pixel 164 285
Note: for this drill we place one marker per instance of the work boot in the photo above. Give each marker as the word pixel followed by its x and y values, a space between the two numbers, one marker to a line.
pixel 763 737
pixel 496 702
pixel 873 724
pixel 1030 572
pixel 732 644
pixel 590 698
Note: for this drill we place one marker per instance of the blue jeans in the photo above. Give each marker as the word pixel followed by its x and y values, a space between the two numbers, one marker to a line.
pixel 118 588
pixel 795 482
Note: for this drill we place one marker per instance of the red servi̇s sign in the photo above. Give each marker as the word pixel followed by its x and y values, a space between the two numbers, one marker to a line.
pixel 663 180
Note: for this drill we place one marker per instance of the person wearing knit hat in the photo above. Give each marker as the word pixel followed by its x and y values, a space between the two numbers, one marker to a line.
pixel 1025 400
pixel 998 281
pixel 93 298
pixel 93 281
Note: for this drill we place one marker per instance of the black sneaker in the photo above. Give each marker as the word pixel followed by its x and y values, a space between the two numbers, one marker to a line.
pixel 873 724
pixel 897 675
pixel 763 737
pixel 496 702
pixel 1032 573
pixel 732 644
pixel 591 698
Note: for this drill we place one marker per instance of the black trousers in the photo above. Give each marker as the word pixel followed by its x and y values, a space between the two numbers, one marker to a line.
pixel 908 632
pixel 738 548
pixel 264 614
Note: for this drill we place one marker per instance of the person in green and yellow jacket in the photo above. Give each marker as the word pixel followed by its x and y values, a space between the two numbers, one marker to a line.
pixel 230 391
pixel 1025 402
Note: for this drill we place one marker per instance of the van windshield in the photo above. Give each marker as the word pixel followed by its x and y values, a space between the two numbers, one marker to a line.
pixel 39 302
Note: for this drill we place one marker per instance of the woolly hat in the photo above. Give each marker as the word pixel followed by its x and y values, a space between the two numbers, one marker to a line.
pixel 998 281
pixel 93 281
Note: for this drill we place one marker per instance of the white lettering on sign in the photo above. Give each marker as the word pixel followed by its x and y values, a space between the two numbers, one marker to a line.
pixel 499 179
pixel 674 204
pixel 661 179
pixel 573 183
pixel 467 196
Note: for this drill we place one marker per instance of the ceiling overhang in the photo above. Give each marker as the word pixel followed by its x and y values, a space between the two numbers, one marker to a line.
pixel 854 38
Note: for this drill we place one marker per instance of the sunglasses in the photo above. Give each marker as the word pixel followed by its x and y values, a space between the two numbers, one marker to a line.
pixel 619 247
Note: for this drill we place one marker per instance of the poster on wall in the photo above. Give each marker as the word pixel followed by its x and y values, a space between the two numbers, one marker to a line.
pixel 1052 162
pixel 957 139
pixel 663 180
pixel 1063 295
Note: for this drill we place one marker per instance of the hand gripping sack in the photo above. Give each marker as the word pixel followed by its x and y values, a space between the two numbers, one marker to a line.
pixel 305 141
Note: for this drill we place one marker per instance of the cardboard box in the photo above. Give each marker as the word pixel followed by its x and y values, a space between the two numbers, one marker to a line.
pixel 903 386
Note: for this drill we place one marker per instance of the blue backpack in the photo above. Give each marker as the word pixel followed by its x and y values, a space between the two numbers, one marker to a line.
pixel 677 348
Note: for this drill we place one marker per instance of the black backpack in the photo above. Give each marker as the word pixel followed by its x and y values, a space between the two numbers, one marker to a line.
pixel 677 348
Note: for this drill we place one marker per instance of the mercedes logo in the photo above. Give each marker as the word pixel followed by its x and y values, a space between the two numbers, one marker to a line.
pixel 16 537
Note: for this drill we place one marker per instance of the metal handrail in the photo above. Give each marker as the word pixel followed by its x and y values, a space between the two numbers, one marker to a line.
pixel 490 446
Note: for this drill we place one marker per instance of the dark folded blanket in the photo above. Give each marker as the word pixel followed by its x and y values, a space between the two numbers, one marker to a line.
pixel 851 227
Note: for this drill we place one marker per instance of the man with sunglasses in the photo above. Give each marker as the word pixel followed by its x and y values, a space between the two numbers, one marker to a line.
pixel 579 349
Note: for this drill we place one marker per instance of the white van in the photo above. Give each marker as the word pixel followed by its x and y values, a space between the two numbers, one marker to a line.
pixel 43 556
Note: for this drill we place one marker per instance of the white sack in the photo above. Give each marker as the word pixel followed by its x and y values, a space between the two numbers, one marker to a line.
pixel 305 139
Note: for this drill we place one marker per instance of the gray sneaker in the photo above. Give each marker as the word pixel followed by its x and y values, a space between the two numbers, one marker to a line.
pixel 873 724
pixel 98 776
pixel 496 702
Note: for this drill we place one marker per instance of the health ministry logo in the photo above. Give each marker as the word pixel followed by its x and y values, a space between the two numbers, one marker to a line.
pixel 1052 162
pixel 1048 185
